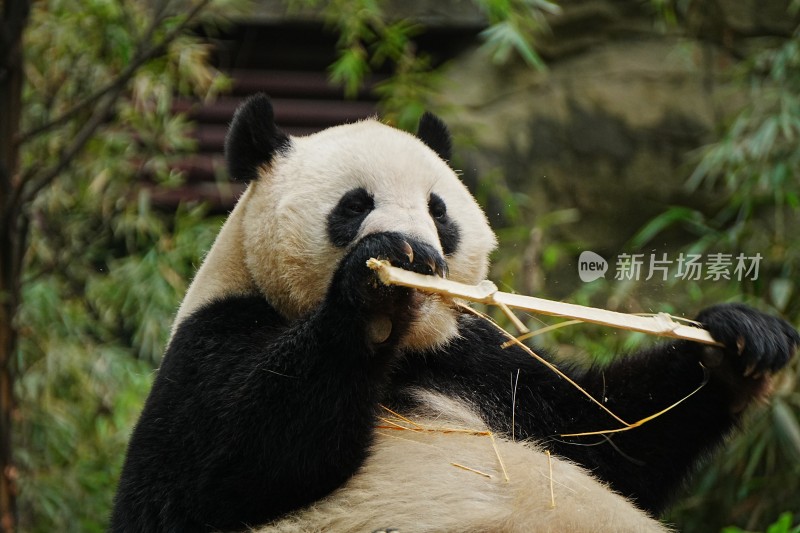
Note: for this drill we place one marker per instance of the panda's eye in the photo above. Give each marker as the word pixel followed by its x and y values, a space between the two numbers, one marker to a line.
pixel 437 208
pixel 346 218
pixel 446 227
pixel 355 203
pixel 357 206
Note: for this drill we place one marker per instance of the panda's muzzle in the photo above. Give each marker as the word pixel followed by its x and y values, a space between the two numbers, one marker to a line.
pixel 404 251
pixel 420 257
pixel 390 311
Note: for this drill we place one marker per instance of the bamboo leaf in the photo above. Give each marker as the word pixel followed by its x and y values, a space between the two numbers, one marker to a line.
pixel 674 215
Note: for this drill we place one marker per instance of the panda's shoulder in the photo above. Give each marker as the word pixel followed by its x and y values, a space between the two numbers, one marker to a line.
pixel 476 330
pixel 227 318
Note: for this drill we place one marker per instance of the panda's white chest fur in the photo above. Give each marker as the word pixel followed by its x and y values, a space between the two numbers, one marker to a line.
pixel 441 470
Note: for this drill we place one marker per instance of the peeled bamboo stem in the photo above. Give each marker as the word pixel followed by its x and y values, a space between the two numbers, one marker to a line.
pixel 486 292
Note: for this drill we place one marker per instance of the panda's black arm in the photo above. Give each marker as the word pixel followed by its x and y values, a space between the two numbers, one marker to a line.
pixel 647 463
pixel 666 449
pixel 249 418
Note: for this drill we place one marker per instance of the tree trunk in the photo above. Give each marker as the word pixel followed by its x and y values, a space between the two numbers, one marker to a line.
pixel 13 234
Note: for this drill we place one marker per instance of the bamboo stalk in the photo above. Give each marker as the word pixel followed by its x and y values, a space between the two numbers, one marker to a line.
pixel 486 292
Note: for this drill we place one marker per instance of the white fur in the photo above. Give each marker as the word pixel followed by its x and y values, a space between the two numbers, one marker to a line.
pixel 410 483
pixel 223 271
pixel 275 243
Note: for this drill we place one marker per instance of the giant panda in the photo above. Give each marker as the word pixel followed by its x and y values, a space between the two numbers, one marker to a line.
pixel 270 409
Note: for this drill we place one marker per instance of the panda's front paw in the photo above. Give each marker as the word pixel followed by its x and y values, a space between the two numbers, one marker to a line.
pixel 356 289
pixel 755 343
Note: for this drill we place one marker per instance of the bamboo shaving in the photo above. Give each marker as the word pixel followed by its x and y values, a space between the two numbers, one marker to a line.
pixel 521 327
pixel 499 457
pixel 401 417
pixel 445 431
pixel 552 492
pixel 468 469
pixel 542 331
pixel 648 418
pixel 486 292
pixel 397 425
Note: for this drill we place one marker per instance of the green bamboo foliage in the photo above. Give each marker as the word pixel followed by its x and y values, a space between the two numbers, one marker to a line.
pixel 104 271
pixel 752 168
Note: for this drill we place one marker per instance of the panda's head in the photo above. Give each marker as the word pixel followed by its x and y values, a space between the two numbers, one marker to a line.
pixel 311 198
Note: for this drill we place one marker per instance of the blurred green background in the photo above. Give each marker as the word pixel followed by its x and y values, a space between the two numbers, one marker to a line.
pixel 627 126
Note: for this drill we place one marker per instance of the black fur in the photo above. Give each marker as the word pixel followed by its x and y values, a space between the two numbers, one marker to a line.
pixel 253 139
pixel 346 218
pixel 251 416
pixel 434 133
pixel 449 234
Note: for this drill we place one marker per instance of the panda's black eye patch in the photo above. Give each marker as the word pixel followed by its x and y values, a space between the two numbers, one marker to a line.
pixel 356 203
pixel 346 218
pixel 437 207
pixel 449 234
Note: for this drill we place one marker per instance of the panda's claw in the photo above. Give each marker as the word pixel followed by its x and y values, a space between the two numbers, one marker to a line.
pixel 356 288
pixel 409 251
pixel 740 345
pixel 422 258
pixel 432 265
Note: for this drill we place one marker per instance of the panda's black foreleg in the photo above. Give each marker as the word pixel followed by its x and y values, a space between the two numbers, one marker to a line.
pixel 650 462
pixel 251 417
pixel 518 395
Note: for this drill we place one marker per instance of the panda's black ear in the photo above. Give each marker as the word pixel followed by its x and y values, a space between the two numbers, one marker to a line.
pixel 433 132
pixel 253 139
